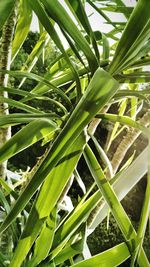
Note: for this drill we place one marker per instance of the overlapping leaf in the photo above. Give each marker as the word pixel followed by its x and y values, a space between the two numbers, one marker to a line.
pixel 23 26
pixel 5 10
pixel 112 257
pixel 99 91
pixel 27 136
pixel 46 201
pixel 134 37
pixel 118 212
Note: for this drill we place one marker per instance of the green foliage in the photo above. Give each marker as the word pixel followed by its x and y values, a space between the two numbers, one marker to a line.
pixel 104 238
pixel 57 98
pixel 5 9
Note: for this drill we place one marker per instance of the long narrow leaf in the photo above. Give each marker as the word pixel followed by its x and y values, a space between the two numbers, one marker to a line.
pixel 143 218
pixel 127 121
pixel 46 22
pixel 136 33
pixel 39 79
pixel 5 10
pixel 48 198
pixel 111 257
pixel 27 136
pixel 58 13
pixel 19 105
pixel 72 249
pixel 46 238
pixel 122 188
pixel 23 26
pixel 20 118
pixel 120 215
pixel 100 90
pixel 34 55
pixel 73 222
pixel 81 14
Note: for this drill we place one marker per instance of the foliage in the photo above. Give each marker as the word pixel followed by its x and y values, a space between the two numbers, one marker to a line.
pixel 63 105
pixel 102 238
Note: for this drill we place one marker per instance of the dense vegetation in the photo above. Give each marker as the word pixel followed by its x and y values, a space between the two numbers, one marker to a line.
pixel 74 115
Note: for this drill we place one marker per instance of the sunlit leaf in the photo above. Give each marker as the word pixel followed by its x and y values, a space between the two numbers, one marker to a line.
pixel 5 10
pixel 112 257
pixel 99 91
pixel 23 26
pixel 135 35
pixel 27 136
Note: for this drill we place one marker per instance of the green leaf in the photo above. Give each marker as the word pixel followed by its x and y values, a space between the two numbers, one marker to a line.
pixel 126 120
pixel 122 108
pixel 101 13
pixel 127 93
pixel 29 96
pixel 27 136
pixel 3 259
pixel 72 249
pixel 111 257
pixel 62 79
pixel 105 47
pixel 19 118
pixel 8 189
pixel 79 10
pixel 72 223
pixel 143 218
pixel 79 181
pixel 23 26
pixel 126 10
pixel 100 90
pixel 60 15
pixel 16 91
pixel 141 62
pixel 5 10
pixel 19 105
pixel 121 188
pixel 103 156
pixel 46 238
pixel 139 77
pixel 48 25
pixel 34 55
pixel 117 210
pixel 136 33
pixel 6 206
pixel 48 198
pixel 39 79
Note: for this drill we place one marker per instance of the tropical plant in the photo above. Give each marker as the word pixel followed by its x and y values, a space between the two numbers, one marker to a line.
pixel 80 86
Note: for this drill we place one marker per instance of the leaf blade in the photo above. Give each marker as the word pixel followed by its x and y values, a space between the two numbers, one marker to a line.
pixel 96 96
pixel 27 136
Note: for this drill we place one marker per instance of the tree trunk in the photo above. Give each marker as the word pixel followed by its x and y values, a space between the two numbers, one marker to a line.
pixel 128 141
pixel 5 61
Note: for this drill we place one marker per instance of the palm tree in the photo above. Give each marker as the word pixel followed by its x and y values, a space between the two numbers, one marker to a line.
pixel 85 82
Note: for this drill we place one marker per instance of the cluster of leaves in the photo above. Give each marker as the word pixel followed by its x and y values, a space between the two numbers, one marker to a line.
pixel 79 85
